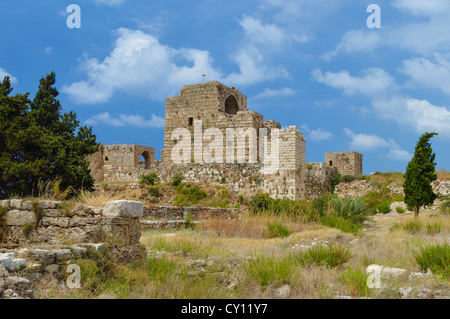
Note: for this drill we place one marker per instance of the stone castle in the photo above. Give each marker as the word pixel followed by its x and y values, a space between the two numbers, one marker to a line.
pixel 211 121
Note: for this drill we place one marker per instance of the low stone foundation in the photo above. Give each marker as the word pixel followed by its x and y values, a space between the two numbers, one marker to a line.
pixel 180 213
pixel 51 222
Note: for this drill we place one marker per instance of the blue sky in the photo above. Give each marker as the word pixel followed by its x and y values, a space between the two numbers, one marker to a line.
pixel 313 64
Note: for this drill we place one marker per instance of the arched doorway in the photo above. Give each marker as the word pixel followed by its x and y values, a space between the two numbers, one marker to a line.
pixel 145 159
pixel 231 105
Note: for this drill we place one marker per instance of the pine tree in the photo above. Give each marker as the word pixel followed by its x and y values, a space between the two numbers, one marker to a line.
pixel 38 143
pixel 419 175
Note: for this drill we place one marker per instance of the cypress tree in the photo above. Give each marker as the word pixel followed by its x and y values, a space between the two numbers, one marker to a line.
pixel 419 175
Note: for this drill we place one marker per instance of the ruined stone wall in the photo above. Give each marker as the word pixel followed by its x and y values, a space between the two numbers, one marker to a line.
pixel 347 163
pixel 180 213
pixel 318 179
pixel 289 180
pixel 216 106
pixel 52 222
pixel 120 162
pixel 245 179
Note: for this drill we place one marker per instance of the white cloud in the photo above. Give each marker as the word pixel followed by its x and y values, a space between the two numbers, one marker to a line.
pixel 124 120
pixel 268 34
pixel 275 93
pixel 139 64
pixel 317 135
pixel 421 115
pixel 428 73
pixel 374 81
pixel 4 73
pixel 417 36
pixel 356 41
pixel 371 142
pixel 423 8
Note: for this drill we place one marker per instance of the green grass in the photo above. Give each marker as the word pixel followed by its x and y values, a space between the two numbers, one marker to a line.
pixel 356 281
pixel 400 210
pixel 270 270
pixel 277 229
pixel 327 256
pixel 412 226
pixel 384 208
pixel 340 223
pixel 434 228
pixel 434 257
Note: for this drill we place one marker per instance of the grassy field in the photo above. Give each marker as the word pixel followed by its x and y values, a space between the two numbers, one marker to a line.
pixel 224 258
pixel 309 249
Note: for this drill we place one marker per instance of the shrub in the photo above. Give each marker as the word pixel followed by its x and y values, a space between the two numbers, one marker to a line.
pixel 154 191
pixel 38 212
pixel 189 220
pixel 348 178
pixel 434 257
pixel 151 178
pixel 278 229
pixel 336 179
pixel 413 226
pixel 328 256
pixel 189 195
pixel 270 270
pixel 445 206
pixel 260 202
pixel 409 208
pixel 356 280
pixel 177 179
pixel 223 180
pixel 434 228
pixel 354 211
pixel 384 208
pixel 340 223
pixel 400 210
pixel 3 211
pixel 27 228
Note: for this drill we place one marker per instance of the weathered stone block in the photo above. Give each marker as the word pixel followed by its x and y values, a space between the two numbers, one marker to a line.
pixel 15 203
pixel 20 218
pixel 123 208
pixel 11 263
pixel 4 203
pixel 62 255
pixel 63 222
pixel 17 283
pixel 42 256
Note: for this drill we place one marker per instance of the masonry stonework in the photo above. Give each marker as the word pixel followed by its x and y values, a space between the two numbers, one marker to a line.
pixel 202 113
pixel 347 163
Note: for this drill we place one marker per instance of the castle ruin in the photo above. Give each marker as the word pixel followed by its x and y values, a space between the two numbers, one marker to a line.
pixel 210 136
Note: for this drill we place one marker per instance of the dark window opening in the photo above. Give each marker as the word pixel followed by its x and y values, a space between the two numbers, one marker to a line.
pixel 191 121
pixel 231 105
pixel 106 158
pixel 331 163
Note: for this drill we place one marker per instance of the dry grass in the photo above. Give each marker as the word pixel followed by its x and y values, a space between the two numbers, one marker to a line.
pixel 100 198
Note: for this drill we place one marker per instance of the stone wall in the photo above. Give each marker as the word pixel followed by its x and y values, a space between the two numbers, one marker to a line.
pixel 318 179
pixel 347 163
pixel 120 162
pixel 242 179
pixel 51 222
pixel 180 213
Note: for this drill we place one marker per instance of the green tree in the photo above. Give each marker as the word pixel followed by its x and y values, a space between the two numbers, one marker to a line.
pixel 38 143
pixel 419 175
